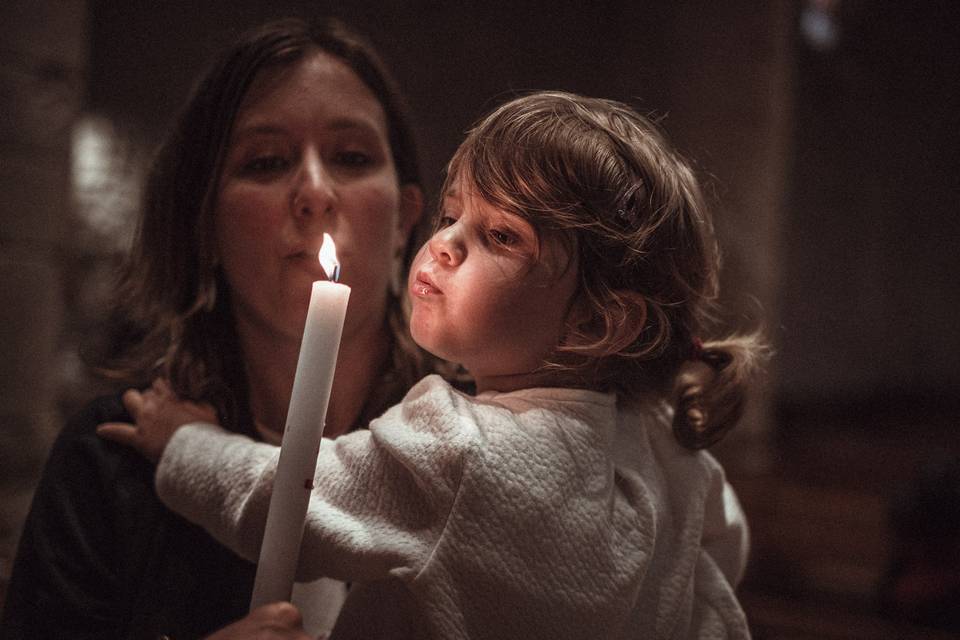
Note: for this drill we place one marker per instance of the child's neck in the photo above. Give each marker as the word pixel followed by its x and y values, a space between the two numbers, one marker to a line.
pixel 505 382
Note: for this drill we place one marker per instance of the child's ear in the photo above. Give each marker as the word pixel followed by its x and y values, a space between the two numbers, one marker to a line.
pixel 607 326
pixel 579 314
pixel 627 320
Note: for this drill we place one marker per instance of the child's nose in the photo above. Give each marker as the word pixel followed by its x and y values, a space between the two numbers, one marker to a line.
pixel 446 246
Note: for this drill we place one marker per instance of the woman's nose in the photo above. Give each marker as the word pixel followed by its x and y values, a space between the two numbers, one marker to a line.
pixel 315 191
pixel 446 246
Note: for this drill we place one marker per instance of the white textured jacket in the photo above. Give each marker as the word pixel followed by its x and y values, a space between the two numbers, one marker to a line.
pixel 541 513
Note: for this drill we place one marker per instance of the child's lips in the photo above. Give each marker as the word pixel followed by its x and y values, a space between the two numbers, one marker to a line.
pixel 423 285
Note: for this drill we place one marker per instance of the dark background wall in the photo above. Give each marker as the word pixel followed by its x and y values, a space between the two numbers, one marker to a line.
pixel 834 169
pixel 871 294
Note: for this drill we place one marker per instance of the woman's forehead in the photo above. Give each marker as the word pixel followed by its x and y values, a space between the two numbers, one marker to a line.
pixel 319 88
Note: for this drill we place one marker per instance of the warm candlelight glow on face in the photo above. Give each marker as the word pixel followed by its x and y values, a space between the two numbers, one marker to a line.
pixel 328 259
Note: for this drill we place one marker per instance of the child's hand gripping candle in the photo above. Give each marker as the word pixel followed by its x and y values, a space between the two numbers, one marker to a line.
pixel 301 437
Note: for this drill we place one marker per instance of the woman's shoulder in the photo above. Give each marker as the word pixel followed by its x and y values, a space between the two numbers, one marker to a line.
pixel 105 408
pixel 81 426
pixel 79 451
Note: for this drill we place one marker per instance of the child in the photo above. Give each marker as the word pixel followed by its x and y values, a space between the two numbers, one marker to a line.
pixel 571 272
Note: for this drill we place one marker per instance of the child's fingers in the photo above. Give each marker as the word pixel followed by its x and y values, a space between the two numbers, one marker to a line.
pixel 119 432
pixel 133 401
pixel 162 387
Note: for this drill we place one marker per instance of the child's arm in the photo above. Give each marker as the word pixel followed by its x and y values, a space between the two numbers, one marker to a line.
pixel 379 502
pixel 158 413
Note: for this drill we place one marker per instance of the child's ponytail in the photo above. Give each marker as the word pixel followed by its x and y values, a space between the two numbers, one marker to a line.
pixel 710 389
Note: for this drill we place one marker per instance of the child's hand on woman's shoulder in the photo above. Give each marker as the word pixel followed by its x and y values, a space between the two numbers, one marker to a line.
pixel 157 413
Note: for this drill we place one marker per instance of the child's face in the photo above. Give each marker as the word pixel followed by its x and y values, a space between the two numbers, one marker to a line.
pixel 483 297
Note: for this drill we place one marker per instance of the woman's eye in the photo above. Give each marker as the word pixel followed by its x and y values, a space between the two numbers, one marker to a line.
pixel 352 158
pixel 265 164
pixel 445 221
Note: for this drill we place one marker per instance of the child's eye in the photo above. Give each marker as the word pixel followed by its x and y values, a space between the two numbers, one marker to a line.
pixel 266 164
pixel 445 221
pixel 504 238
pixel 352 159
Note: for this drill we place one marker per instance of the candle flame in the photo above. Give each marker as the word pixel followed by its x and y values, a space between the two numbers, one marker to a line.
pixel 328 259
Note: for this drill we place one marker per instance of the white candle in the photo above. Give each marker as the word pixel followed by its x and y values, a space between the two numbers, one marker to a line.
pixel 301 437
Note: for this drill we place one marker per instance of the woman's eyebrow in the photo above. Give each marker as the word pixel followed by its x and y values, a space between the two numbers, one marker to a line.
pixel 259 129
pixel 342 124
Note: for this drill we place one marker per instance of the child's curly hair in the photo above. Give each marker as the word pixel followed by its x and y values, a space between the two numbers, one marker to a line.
pixel 603 180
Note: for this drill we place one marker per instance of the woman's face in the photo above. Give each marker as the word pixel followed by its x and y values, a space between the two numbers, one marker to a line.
pixel 309 153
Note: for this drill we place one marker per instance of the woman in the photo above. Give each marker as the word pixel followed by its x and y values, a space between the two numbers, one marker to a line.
pixel 296 130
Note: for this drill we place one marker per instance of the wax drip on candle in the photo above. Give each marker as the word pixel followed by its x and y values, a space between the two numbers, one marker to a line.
pixel 328 259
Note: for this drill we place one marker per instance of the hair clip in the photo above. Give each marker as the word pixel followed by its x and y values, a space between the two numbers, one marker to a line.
pixel 696 351
pixel 717 360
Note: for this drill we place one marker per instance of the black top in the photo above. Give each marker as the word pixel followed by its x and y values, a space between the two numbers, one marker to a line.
pixel 101 557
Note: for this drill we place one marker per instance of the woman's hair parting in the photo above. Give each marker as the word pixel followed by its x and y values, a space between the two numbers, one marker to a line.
pixel 598 177
pixel 174 317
